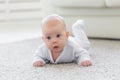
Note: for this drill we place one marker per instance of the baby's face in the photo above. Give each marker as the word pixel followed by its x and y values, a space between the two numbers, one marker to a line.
pixel 55 36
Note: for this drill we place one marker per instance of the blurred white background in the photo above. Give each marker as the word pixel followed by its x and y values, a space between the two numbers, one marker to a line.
pixel 19 20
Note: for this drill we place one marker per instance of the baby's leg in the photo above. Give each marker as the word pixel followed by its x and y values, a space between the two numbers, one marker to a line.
pixel 79 35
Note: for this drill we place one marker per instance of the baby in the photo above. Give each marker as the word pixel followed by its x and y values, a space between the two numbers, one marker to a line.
pixel 59 47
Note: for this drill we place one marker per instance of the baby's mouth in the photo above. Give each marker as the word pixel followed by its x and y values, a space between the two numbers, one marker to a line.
pixel 55 47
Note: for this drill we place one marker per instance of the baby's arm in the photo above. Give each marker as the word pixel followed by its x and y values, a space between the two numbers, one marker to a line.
pixel 83 58
pixel 38 60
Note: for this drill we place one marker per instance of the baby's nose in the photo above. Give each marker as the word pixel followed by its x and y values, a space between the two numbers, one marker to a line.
pixel 54 41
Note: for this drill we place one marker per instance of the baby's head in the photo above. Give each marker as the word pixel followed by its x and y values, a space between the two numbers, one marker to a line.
pixel 54 33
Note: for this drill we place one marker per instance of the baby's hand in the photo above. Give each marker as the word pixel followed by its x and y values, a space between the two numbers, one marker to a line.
pixel 38 64
pixel 86 63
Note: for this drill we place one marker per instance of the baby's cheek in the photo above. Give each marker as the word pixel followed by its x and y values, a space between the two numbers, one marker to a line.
pixel 63 43
pixel 48 45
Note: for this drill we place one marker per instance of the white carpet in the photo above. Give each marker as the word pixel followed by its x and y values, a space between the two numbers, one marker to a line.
pixel 16 58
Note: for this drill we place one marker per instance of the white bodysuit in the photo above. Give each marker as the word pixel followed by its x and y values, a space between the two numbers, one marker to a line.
pixel 76 49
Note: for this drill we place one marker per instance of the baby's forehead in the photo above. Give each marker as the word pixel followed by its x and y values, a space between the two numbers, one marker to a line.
pixel 53 31
pixel 54 24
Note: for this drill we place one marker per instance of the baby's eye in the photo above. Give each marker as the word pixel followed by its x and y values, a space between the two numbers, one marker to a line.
pixel 48 37
pixel 58 35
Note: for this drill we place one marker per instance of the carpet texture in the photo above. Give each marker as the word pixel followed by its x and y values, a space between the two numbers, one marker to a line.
pixel 16 58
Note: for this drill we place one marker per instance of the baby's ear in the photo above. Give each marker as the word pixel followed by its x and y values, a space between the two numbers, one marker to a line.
pixel 67 34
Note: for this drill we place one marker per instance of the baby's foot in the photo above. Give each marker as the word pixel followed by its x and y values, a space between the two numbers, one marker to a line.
pixel 79 24
pixel 80 35
pixel 77 27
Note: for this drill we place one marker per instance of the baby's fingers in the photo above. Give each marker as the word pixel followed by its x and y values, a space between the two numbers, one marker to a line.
pixel 38 64
pixel 86 63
